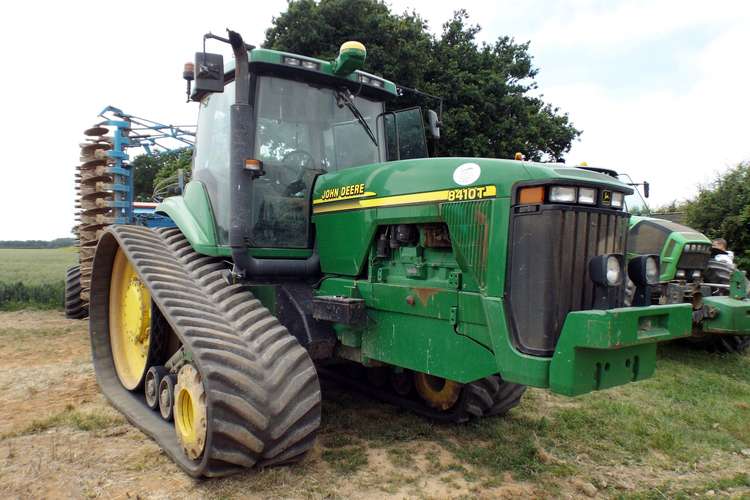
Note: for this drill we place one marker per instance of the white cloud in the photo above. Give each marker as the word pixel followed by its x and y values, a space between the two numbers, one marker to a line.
pixel 614 26
pixel 674 140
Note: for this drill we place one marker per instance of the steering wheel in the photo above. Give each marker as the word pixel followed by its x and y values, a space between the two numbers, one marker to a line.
pixel 307 162
pixel 300 152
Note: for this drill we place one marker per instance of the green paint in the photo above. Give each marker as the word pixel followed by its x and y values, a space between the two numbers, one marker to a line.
pixel 603 349
pixel 738 285
pixel 732 316
pixel 193 214
pixel 268 56
pixel 266 294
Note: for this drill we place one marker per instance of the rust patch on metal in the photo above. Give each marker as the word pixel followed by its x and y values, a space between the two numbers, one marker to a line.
pixel 424 294
pixel 484 244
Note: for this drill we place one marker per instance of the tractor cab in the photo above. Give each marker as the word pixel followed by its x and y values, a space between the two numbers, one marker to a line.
pixel 308 117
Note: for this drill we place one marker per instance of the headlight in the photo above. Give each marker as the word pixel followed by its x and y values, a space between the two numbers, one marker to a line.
pixel 562 194
pixel 696 275
pixel 587 196
pixel 680 274
pixel 644 270
pixel 652 270
pixel 617 200
pixel 613 270
pixel 606 270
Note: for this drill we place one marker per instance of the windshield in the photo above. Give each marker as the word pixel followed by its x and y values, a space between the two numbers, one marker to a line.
pixel 297 119
pixel 303 130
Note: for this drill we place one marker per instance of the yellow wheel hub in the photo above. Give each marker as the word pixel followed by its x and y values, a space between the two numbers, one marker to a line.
pixel 190 411
pixel 437 392
pixel 129 322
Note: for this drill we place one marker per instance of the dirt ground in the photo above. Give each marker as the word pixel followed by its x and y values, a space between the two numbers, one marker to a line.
pixel 60 439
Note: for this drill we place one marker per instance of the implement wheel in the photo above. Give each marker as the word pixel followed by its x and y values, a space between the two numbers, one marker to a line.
pixel 75 307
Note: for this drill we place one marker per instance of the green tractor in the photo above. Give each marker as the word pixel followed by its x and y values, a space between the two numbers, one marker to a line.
pixel 684 270
pixel 716 290
pixel 317 237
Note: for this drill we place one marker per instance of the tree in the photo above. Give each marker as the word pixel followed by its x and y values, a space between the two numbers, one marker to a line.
pixel 722 210
pixel 488 109
pixel 150 170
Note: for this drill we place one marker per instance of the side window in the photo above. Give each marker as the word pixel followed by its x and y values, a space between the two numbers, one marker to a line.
pixel 211 158
pixel 405 136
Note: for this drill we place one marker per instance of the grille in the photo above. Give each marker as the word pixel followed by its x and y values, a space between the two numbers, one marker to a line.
pixel 548 269
pixel 693 260
pixel 469 224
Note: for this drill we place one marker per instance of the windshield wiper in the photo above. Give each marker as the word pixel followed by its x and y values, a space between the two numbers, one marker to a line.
pixel 344 98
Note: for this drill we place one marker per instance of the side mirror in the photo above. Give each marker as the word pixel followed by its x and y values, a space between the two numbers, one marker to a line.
pixel 434 123
pixel 646 187
pixel 209 72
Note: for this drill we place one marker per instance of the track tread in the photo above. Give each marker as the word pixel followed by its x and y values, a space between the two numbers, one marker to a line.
pixel 75 307
pixel 262 389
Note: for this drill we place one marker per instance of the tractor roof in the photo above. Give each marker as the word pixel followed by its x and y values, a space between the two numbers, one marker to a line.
pixel 315 66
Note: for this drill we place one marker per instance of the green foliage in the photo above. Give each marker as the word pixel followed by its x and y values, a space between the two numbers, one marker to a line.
pixel 722 210
pixel 488 109
pixel 151 169
pixel 34 278
pixel 14 296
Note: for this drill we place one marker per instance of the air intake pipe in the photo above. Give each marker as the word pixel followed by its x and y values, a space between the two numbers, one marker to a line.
pixel 242 146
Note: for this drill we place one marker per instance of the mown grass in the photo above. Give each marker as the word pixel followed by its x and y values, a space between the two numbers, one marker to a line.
pixel 75 418
pixel 34 278
pixel 697 404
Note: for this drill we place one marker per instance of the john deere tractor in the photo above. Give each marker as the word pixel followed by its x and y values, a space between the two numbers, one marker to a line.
pixel 716 290
pixel 317 237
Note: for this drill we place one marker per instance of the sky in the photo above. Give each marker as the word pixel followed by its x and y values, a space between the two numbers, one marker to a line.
pixel 660 89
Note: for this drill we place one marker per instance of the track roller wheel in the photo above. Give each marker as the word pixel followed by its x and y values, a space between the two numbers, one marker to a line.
pixel 151 385
pixel 437 392
pixel 166 397
pixel 190 411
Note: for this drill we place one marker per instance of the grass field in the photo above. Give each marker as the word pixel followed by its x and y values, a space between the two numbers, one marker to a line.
pixel 36 266
pixel 34 277
pixel 682 434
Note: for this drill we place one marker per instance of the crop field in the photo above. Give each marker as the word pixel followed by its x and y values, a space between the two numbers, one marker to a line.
pixel 35 266
pixel 682 434
pixel 34 277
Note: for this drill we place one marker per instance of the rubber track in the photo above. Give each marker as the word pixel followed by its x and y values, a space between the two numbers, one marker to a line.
pixel 263 393
pixel 75 308
pixel 490 396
